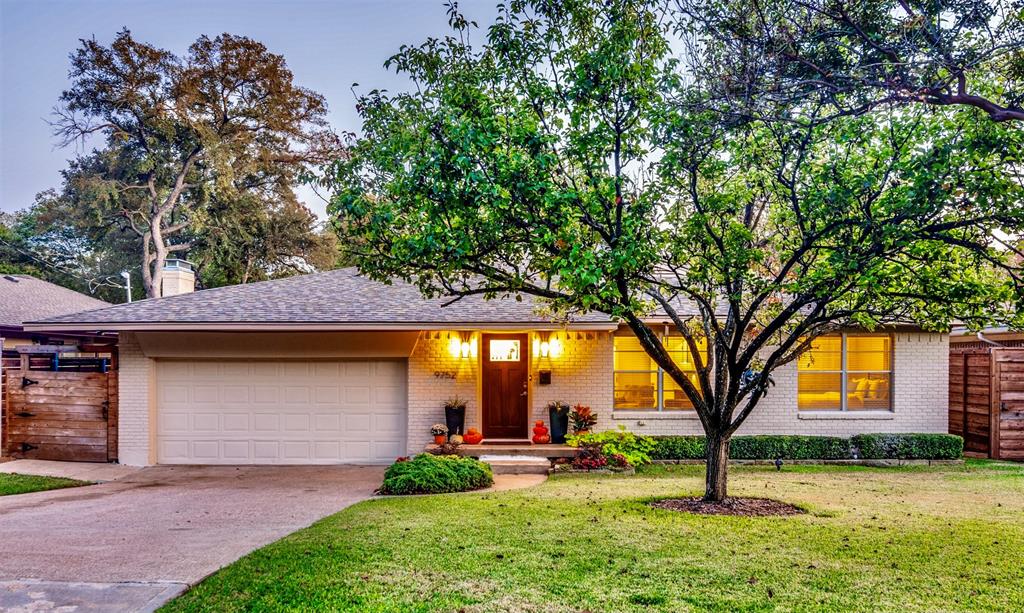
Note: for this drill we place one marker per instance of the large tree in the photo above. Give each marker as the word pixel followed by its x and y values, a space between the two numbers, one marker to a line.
pixel 223 122
pixel 571 157
pixel 753 57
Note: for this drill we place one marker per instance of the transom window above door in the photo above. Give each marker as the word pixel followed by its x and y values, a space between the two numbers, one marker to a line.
pixel 638 382
pixel 846 372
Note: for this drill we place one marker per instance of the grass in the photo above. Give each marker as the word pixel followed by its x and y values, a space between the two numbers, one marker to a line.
pixel 907 539
pixel 11 483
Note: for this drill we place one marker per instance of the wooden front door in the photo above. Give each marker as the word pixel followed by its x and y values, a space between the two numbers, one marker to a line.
pixel 506 367
pixel 61 415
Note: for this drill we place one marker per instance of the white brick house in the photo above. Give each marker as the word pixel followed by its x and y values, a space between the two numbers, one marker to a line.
pixel 334 368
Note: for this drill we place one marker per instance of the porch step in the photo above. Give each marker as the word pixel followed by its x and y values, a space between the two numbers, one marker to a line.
pixel 517 465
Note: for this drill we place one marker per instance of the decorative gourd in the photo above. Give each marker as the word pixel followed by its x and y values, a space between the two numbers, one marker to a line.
pixel 472 437
pixel 540 434
pixel 456 439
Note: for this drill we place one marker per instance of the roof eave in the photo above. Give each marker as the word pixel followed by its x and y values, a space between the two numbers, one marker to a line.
pixel 306 326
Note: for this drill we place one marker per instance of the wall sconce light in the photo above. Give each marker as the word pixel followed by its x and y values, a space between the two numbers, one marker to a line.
pixel 549 347
pixel 462 345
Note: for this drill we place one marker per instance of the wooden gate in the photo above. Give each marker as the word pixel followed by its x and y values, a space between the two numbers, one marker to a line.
pixel 986 400
pixel 1008 404
pixel 970 399
pixel 54 415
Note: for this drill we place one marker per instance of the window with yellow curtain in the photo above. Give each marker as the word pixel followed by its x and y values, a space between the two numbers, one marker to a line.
pixel 640 384
pixel 846 372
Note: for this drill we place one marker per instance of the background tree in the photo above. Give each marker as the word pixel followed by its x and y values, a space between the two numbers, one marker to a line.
pixel 755 58
pixel 224 120
pixel 571 157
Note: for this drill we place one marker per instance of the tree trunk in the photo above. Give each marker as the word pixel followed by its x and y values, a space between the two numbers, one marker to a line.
pixel 717 468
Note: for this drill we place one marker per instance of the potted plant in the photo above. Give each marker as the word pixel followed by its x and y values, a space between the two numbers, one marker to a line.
pixel 455 414
pixel 558 412
pixel 583 419
pixel 440 433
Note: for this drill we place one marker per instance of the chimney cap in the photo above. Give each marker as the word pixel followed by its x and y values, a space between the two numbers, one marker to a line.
pixel 178 264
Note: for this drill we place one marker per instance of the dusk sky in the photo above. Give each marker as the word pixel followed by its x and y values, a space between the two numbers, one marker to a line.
pixel 328 46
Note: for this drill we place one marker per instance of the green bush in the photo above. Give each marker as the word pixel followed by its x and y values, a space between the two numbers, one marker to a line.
pixel 789 447
pixel 797 447
pixel 636 449
pixel 436 474
pixel 679 448
pixel 909 446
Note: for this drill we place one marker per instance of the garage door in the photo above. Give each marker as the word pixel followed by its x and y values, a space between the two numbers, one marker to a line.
pixel 280 412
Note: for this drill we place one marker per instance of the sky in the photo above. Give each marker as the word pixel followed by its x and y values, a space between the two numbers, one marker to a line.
pixel 329 45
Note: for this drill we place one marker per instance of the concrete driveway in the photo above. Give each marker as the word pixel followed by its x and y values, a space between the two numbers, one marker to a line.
pixel 132 544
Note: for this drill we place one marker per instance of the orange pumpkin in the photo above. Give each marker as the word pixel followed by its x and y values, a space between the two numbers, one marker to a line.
pixel 472 437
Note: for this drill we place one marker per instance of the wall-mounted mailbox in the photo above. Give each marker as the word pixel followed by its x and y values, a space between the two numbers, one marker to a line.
pixel 544 377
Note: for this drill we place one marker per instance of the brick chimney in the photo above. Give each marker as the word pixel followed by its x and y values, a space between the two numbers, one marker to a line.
pixel 178 278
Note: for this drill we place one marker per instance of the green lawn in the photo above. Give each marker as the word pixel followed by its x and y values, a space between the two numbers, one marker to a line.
pixel 908 539
pixel 23 484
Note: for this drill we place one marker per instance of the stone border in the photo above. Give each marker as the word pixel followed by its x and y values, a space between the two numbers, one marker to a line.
pixel 862 462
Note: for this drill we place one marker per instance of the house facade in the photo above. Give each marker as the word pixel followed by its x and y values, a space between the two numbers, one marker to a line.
pixel 335 368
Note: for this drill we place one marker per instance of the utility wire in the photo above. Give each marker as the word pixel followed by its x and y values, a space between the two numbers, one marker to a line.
pixel 92 283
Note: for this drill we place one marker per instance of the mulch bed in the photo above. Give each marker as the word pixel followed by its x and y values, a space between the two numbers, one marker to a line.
pixel 743 507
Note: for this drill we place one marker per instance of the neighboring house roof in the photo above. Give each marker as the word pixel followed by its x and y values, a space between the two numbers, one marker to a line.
pixel 337 299
pixel 25 298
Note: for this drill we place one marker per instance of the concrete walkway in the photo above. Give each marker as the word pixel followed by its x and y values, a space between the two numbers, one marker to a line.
pixel 134 543
pixel 82 471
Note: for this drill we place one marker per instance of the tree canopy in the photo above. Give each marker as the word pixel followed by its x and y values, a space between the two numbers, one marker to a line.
pixel 576 153
pixel 187 139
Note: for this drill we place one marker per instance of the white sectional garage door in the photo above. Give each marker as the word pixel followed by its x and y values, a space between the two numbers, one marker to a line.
pixel 280 412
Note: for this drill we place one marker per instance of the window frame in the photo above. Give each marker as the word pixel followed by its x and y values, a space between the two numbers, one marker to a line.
pixel 659 392
pixel 844 375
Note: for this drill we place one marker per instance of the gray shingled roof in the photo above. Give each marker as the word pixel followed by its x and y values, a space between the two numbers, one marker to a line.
pixel 25 298
pixel 334 297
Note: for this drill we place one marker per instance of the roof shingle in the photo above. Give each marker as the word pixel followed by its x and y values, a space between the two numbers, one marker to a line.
pixel 335 297
pixel 25 298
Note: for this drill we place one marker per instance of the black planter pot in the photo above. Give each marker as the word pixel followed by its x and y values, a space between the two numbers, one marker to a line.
pixel 559 425
pixel 455 419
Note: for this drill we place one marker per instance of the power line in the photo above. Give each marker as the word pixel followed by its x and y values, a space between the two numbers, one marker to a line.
pixel 92 283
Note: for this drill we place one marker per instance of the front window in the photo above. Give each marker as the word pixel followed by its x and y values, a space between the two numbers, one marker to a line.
pixel 640 384
pixel 846 372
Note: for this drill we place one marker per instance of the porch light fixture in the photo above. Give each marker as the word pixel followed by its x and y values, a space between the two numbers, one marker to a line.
pixel 550 347
pixel 462 345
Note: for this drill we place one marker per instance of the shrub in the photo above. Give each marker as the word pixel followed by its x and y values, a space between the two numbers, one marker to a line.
pixel 790 447
pixel 679 448
pixel 797 447
pixel 909 446
pixel 434 474
pixel 636 449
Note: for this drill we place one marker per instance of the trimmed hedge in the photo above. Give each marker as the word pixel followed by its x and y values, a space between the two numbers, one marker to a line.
pixel 798 447
pixel 909 446
pixel 436 474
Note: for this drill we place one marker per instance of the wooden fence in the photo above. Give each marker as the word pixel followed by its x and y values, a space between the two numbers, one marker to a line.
pixel 986 400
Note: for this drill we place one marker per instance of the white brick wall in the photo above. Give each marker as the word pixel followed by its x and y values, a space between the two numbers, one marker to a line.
pixel 920 395
pixel 135 403
pixel 583 374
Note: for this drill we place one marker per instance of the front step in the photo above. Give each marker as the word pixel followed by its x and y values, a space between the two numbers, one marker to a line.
pixel 516 465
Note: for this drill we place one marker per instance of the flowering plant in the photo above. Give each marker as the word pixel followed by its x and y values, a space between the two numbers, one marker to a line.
pixel 438 430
